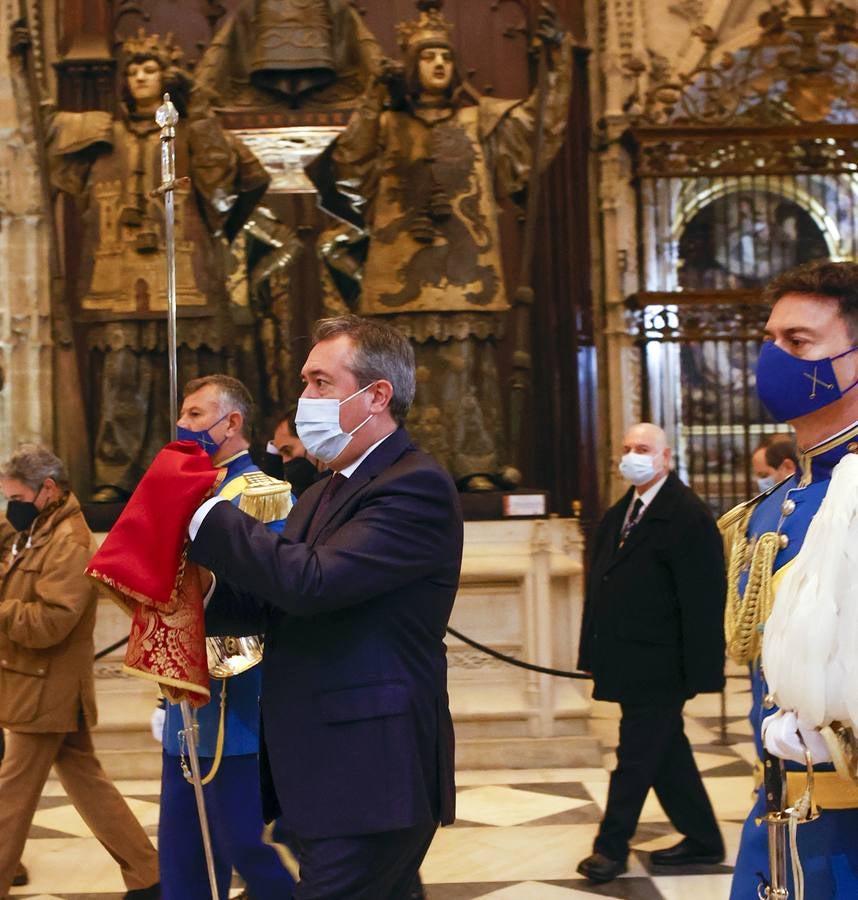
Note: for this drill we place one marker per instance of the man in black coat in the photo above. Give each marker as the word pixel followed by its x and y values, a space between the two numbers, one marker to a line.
pixel 653 637
pixel 354 599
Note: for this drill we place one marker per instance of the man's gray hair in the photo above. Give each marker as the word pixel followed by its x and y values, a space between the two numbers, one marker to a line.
pixel 32 464
pixel 380 352
pixel 232 395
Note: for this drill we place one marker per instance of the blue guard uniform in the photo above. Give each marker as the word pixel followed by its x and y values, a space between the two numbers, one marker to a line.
pixel 232 797
pixel 828 847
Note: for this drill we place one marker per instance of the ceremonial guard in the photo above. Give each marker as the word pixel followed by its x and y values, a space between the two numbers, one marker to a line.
pixel 215 413
pixel 788 568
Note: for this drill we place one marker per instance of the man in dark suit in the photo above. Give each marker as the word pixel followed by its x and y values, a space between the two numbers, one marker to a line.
pixel 354 599
pixel 652 636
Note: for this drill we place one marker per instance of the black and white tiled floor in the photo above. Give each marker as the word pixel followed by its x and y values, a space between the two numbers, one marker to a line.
pixel 519 835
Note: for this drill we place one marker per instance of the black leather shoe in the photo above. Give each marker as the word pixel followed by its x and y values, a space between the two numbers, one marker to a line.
pixel 149 893
pixel 599 869
pixel 20 877
pixel 687 853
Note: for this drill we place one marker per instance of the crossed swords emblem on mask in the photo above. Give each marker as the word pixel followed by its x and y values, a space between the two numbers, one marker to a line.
pixel 815 381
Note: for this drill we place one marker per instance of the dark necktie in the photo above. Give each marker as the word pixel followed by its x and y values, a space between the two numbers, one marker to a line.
pixel 335 482
pixel 631 521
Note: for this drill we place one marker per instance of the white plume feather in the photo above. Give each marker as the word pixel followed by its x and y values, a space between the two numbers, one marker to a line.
pixel 810 643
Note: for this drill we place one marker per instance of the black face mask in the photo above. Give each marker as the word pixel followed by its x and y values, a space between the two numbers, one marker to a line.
pixel 272 464
pixel 300 473
pixel 22 513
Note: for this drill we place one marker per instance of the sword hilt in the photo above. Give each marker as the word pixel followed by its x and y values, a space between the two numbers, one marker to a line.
pixel 170 185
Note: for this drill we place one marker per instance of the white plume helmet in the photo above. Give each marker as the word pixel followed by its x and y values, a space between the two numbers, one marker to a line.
pixel 809 656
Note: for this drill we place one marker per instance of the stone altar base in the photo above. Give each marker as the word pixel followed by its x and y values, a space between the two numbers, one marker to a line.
pixel 521 593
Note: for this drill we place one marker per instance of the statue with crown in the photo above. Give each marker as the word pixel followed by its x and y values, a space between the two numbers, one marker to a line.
pixel 422 167
pixel 109 165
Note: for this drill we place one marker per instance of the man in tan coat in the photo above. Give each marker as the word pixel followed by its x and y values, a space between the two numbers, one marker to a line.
pixel 47 692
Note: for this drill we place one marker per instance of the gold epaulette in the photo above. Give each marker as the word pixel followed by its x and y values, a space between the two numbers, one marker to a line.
pixel 265 498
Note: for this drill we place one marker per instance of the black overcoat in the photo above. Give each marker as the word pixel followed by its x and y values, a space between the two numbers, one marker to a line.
pixel 653 625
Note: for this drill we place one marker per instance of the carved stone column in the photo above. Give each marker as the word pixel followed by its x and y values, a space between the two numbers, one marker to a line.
pixel 620 32
pixel 25 334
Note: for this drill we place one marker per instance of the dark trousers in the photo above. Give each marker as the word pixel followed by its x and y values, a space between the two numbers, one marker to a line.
pixel 654 752
pixel 379 866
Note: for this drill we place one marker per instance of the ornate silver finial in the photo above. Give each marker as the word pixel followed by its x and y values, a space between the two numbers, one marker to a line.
pixel 167 115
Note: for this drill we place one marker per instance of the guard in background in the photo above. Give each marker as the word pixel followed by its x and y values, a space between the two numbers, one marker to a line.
pixel 652 638
pixel 216 412
pixel 805 376
pixel 774 459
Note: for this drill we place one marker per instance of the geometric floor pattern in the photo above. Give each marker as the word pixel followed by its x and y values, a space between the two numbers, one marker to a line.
pixel 519 833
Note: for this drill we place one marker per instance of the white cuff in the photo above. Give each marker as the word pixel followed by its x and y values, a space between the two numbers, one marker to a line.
pixel 271 448
pixel 210 591
pixel 156 723
pixel 200 514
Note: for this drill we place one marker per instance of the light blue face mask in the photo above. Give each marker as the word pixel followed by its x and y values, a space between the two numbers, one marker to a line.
pixel 765 484
pixel 638 468
pixel 317 422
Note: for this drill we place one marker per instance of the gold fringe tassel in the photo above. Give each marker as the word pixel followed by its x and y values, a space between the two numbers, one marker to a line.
pixel 267 504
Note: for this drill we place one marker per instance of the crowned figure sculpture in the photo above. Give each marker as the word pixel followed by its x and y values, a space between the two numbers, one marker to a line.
pixel 422 167
pixel 110 165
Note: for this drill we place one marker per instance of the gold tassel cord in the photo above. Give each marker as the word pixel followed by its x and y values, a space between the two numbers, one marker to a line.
pixel 747 614
pixel 221 734
pixel 733 527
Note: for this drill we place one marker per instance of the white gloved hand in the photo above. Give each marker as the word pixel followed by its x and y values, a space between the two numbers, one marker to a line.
pixel 156 723
pixel 780 734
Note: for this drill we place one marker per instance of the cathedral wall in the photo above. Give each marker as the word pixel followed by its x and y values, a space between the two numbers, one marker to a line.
pixel 657 38
pixel 25 325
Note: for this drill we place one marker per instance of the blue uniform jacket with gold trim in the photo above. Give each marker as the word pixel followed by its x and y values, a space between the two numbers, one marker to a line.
pixel 828 847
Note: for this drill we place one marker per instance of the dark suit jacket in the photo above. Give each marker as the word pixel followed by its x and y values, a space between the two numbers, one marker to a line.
pixel 653 627
pixel 357 729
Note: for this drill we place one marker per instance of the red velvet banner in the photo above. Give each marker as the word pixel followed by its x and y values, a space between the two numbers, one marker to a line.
pixel 142 560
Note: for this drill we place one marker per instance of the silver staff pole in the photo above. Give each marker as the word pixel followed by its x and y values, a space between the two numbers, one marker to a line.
pixel 167 117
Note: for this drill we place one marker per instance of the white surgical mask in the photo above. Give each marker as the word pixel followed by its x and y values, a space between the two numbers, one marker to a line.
pixel 317 422
pixel 765 483
pixel 638 468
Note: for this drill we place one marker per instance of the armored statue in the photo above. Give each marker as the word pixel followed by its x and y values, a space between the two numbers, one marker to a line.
pixel 422 166
pixel 308 53
pixel 110 165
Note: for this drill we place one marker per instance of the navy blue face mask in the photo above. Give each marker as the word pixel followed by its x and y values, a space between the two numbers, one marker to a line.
pixel 203 438
pixel 790 387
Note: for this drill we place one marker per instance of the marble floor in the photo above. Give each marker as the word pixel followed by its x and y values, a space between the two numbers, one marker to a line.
pixel 519 833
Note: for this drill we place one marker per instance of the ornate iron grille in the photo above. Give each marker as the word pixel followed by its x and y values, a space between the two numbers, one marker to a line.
pixel 743 169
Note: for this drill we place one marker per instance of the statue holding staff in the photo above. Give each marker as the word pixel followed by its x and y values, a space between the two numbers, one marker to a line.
pixel 423 165
pixel 110 165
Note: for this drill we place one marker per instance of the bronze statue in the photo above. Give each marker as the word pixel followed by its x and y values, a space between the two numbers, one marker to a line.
pixel 422 165
pixel 308 53
pixel 110 166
